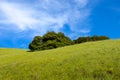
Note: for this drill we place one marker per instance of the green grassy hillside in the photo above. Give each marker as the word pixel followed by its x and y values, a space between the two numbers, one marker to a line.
pixel 87 61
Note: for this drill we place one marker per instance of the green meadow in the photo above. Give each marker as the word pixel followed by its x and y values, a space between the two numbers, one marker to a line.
pixel 98 60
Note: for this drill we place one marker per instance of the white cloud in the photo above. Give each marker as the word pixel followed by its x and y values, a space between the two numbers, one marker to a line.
pixel 15 15
pixel 44 15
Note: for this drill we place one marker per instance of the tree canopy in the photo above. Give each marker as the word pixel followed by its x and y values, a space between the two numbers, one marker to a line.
pixel 52 40
pixel 88 38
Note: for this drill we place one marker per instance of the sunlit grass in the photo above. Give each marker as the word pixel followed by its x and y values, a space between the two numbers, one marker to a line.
pixel 87 61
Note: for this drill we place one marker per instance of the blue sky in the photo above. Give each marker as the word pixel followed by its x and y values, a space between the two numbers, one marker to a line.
pixel 21 20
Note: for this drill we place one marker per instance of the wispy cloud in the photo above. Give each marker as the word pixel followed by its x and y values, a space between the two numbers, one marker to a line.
pixel 44 15
pixel 15 14
pixel 40 16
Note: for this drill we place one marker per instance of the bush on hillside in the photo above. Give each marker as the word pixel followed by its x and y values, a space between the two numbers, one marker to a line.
pixel 36 43
pixel 88 38
pixel 50 40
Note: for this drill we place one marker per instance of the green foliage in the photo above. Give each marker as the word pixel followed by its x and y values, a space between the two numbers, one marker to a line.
pixel 88 38
pixel 49 40
pixel 52 40
pixel 49 36
pixel 36 43
pixel 97 38
pixel 88 61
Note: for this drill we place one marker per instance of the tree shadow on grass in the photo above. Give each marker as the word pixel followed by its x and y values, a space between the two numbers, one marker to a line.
pixel 29 51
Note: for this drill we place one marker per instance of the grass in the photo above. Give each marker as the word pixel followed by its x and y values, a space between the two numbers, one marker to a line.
pixel 87 61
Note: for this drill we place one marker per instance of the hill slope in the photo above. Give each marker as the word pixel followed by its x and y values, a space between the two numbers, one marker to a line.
pixel 88 61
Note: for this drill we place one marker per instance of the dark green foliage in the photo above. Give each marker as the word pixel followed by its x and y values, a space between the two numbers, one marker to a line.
pixel 88 38
pixel 49 41
pixel 49 36
pixel 52 40
pixel 96 38
pixel 36 43
pixel 63 40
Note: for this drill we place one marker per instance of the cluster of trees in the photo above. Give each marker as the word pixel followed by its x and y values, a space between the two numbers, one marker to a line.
pixel 52 40
pixel 88 38
pixel 49 41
